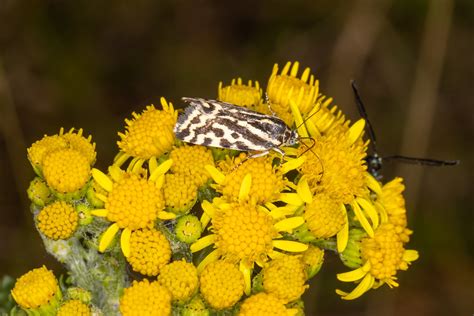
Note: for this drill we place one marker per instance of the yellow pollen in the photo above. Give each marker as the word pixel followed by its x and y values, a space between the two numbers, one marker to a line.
pixel 180 192
pixel 58 220
pixel 243 232
pixel 134 202
pixel 66 170
pixel 181 279
pixel 267 182
pixel 149 251
pixel 190 161
pixel 149 134
pixel 284 277
pixel 35 288
pixel 222 284
pixel 145 298
pixel 324 216
pixel 74 307
pixel 241 94
pixel 263 304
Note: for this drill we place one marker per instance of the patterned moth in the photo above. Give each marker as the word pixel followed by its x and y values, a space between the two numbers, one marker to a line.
pixel 224 125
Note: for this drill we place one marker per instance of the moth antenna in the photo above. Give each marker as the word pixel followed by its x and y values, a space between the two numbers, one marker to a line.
pixel 269 104
pixel 306 119
pixel 422 161
pixel 310 148
pixel 364 115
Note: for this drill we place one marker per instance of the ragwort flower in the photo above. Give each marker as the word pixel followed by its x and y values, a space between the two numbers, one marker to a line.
pixel 145 298
pixel 264 304
pixel 74 307
pixel 58 220
pixel 181 279
pixel 237 93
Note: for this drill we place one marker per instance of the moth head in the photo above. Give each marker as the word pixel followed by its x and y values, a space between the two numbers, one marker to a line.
pixel 291 137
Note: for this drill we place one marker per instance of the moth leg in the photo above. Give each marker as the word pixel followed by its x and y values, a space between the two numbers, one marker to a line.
pixel 281 152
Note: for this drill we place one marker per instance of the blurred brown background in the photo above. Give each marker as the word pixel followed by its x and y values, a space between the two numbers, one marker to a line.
pixel 89 65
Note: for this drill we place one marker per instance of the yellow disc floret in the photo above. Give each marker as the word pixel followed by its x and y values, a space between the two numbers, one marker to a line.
pixel 58 220
pixel 243 232
pixel 180 192
pixel 284 277
pixel 181 279
pixel 81 144
pixel 35 288
pixel 263 304
pixel 149 251
pixel 74 307
pixel 66 170
pixel 190 161
pixel 393 202
pixel 134 202
pixel 222 284
pixel 145 298
pixel 324 216
pixel 40 148
pixel 240 94
pixel 385 251
pixel 149 134
pixel 267 181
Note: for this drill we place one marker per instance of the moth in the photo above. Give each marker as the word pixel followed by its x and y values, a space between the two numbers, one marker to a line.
pixel 224 125
pixel 374 161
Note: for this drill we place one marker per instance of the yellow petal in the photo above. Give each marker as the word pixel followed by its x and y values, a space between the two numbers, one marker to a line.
pixel 203 242
pixel 410 255
pixel 292 164
pixel 361 288
pixel 298 119
pixel 132 164
pixel 102 212
pixel 247 273
pixel 208 208
pixel 373 184
pixel 245 187
pixel 108 236
pixel 161 169
pixel 216 175
pixel 280 212
pixel 352 276
pixel 152 164
pixel 125 242
pixel 211 257
pixel 304 191
pixel 160 181
pixel 275 254
pixel 120 159
pixel 115 173
pixel 288 224
pixel 355 131
pixel 205 219
pixel 290 246
pixel 166 215
pixel 291 198
pixel 102 179
pixel 294 69
pixel 101 197
pixel 362 219
pixel 382 212
pixel 370 210
pixel 286 68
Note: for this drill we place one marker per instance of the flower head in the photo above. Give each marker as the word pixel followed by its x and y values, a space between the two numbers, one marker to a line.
pixel 35 288
pixel 325 217
pixel 149 134
pixel 264 304
pixel 190 162
pixel 222 284
pixel 149 251
pixel 285 278
pixel 181 279
pixel 39 193
pixel 240 94
pixel 180 192
pixel 145 298
pixel 74 307
pixel 392 202
pixel 58 220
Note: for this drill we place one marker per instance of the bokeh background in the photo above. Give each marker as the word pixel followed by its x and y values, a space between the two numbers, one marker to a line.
pixel 90 64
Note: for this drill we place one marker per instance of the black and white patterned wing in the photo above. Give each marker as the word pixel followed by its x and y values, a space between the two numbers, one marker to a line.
pixel 219 124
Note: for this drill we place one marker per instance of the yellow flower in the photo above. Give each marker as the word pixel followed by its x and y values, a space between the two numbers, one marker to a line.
pixel 264 304
pixel 180 192
pixel 149 251
pixel 391 202
pixel 181 279
pixel 74 307
pixel 267 181
pixel 39 193
pixel 145 298
pixel 36 288
pixel 132 202
pixel 190 161
pixel 222 284
pixel 66 170
pixel 58 220
pixel 149 134
pixel 285 278
pixel 80 143
pixel 240 94
pixel 313 258
pixel 286 88
pixel 384 254
pixel 195 307
pixel 325 217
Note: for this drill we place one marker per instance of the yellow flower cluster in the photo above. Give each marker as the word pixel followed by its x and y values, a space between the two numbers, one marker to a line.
pixel 209 230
